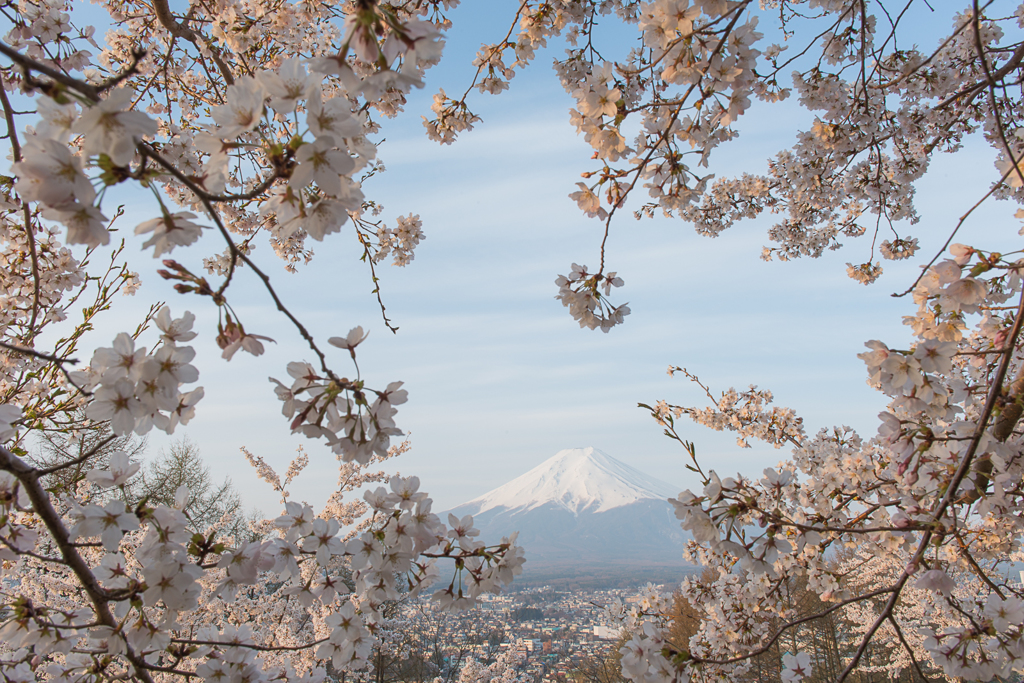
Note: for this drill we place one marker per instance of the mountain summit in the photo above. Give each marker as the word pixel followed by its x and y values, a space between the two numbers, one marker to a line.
pixel 576 480
pixel 586 518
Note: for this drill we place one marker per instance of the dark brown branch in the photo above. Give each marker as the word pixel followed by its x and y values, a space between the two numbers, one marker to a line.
pixel 90 91
pixel 250 646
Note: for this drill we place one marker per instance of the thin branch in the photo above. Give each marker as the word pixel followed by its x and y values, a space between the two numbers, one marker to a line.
pixel 80 459
pixel 906 646
pixel 59 362
pixel 180 30
pixel 12 135
pixel 251 646
pixel 148 151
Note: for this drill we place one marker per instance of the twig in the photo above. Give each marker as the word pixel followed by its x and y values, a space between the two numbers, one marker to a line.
pixel 59 362
pixel 906 646
pixel 80 459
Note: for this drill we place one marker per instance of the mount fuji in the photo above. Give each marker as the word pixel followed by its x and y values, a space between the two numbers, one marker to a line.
pixel 586 519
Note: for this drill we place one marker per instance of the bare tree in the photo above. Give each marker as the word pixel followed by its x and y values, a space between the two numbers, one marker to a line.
pixel 209 503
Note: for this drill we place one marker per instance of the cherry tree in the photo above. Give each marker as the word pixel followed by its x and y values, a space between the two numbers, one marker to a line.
pixel 250 120
pixel 507 667
pixel 935 496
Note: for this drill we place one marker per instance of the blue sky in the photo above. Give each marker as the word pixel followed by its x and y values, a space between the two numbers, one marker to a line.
pixel 500 377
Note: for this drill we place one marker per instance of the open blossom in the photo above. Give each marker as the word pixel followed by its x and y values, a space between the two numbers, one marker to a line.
pixel 936 580
pixel 963 294
pixel 287 85
pixel 796 667
pixel 120 360
pixel 108 129
pixel 175 330
pixel 935 356
pixel 120 470
pixel 169 367
pixel 251 343
pixel 116 402
pixel 169 231
pixel 1005 613
pixel 51 174
pixel 324 217
pixel 109 522
pixel 57 119
pixel 354 338
pixel 331 118
pixel 323 540
pixel 215 169
pixel 9 414
pixel 319 161
pixel 85 224
pixel 112 571
pixel 243 110
pixel 360 40
pixel 588 201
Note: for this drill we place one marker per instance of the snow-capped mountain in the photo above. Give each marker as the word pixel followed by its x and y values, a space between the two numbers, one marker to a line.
pixel 576 480
pixel 584 516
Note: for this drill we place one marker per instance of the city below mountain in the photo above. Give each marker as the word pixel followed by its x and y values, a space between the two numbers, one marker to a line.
pixel 586 520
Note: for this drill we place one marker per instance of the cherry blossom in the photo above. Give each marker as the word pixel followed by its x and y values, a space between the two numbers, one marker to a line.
pixel 108 127
pixel 169 231
pixel 797 667
pixel 121 470
pixel 243 110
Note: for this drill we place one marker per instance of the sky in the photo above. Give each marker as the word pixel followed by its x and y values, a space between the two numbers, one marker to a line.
pixel 500 377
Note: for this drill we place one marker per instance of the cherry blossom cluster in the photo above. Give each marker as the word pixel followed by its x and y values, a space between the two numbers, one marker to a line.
pixel 242 120
pixel 157 591
pixel 507 667
pixel 452 118
pixel 930 503
pixel 55 177
pixel 400 241
pixel 656 113
pixel 340 410
pixel 581 293
pixel 134 390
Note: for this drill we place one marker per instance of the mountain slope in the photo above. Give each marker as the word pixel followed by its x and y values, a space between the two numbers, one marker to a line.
pixel 584 516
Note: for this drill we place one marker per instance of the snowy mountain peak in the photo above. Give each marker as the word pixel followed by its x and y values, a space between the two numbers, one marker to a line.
pixel 575 479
